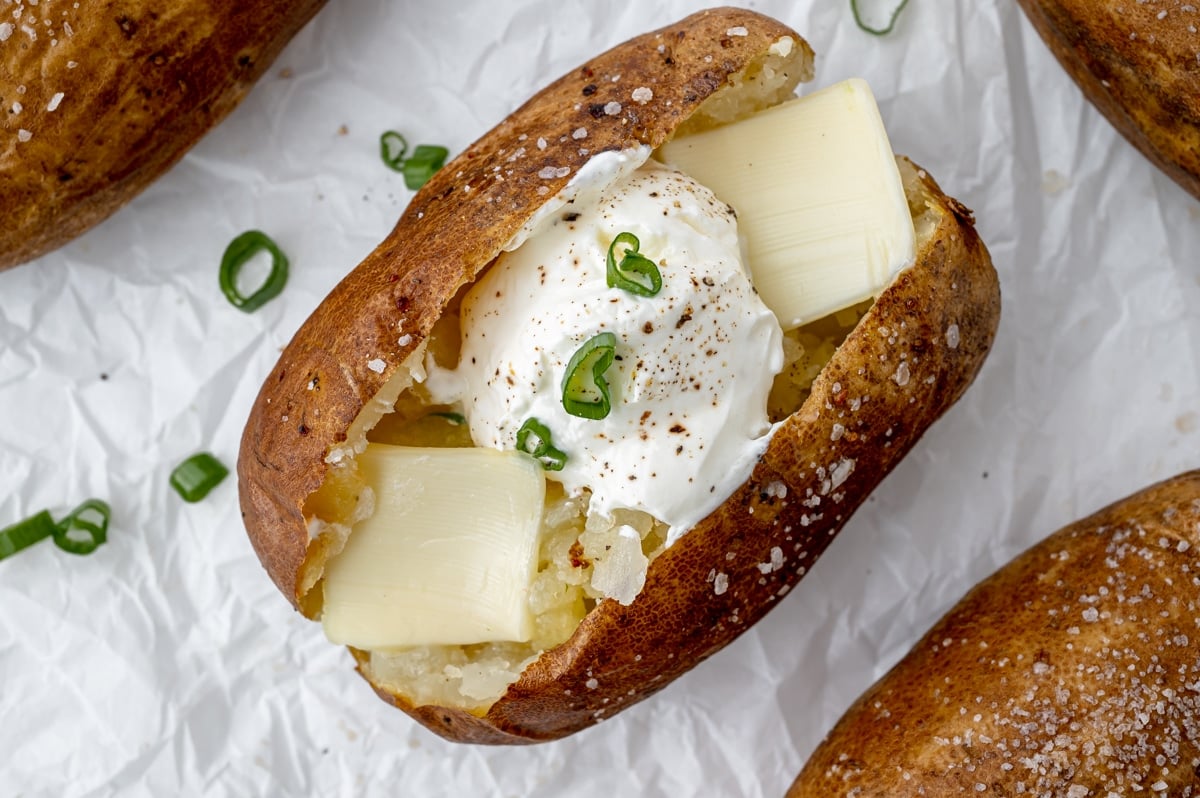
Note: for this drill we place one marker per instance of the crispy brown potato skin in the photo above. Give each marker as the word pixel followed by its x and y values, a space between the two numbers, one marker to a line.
pixel 449 235
pixel 1081 658
pixel 1141 71
pixel 149 79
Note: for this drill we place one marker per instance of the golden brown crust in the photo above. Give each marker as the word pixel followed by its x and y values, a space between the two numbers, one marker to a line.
pixel 1140 64
pixel 914 354
pixel 140 83
pixel 1072 670
pixel 450 232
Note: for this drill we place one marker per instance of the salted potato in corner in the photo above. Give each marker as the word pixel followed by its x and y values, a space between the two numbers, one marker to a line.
pixel 1139 63
pixel 619 374
pixel 100 98
pixel 1072 671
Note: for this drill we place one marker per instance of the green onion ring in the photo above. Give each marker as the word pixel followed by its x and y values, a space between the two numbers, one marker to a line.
pixel 24 534
pixel 877 31
pixel 425 160
pixel 392 149
pixel 632 263
pixel 196 476
pixel 552 459
pixel 579 398
pixel 77 521
pixel 242 249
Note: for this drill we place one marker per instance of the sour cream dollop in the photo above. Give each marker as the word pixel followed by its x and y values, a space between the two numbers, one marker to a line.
pixel 693 367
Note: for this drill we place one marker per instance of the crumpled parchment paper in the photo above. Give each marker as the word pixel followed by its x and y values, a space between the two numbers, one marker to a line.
pixel 167 664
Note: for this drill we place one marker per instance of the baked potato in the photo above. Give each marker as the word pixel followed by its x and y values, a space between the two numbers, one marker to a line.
pixel 100 98
pixel 1072 671
pixel 863 389
pixel 1139 63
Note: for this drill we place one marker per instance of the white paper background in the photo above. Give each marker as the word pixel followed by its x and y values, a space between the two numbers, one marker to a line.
pixel 166 664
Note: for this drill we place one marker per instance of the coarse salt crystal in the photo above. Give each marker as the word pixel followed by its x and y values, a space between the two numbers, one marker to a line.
pixel 842 471
pixel 541 142
pixel 952 336
pixel 902 374
pixel 737 31
pixel 377 365
pixel 580 133
pixel 591 684
pixel 54 101
pixel 1091 615
pixel 642 95
pixel 404 340
pixel 6 30
pixel 721 583
pixel 613 108
pixel 17 108
pixel 24 135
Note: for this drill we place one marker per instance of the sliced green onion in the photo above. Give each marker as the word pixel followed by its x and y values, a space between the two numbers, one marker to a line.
pixel 90 519
pixel 24 534
pixel 426 159
pixel 534 438
pixel 196 476
pixel 877 31
pixel 457 419
pixel 635 273
pixel 584 389
pixel 392 148
pixel 239 251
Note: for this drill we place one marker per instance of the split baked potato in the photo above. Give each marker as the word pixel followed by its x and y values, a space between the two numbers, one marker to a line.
pixel 1139 63
pixel 1072 671
pixel 100 98
pixel 869 386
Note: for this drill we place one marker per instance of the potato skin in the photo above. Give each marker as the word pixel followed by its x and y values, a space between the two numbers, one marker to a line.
pixel 1077 665
pixel 1142 71
pixel 884 388
pixel 141 83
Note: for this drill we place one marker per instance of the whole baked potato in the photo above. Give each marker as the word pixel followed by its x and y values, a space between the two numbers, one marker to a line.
pixel 1139 63
pixel 1072 671
pixel 854 393
pixel 100 98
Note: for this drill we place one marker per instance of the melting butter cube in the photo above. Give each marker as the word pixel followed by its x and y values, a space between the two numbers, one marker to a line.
pixel 448 556
pixel 820 203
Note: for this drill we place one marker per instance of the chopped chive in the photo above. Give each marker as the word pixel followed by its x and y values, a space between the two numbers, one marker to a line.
pixel 196 476
pixel 425 160
pixel 392 149
pixel 241 250
pixel 635 273
pixel 877 31
pixel 24 534
pixel 534 439
pixel 457 419
pixel 584 389
pixel 85 529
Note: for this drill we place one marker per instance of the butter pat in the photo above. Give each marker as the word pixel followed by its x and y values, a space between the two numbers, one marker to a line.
pixel 448 556
pixel 819 199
